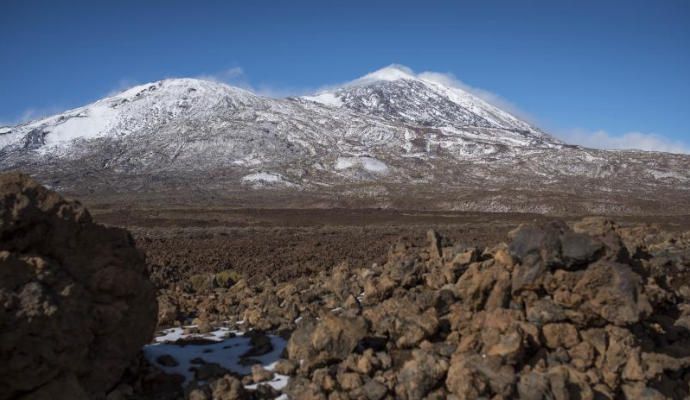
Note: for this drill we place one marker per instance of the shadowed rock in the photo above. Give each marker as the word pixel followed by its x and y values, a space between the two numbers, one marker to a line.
pixel 77 304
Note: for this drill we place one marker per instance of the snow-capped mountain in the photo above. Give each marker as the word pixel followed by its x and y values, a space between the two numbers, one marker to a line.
pixel 143 107
pixel 390 138
pixel 396 94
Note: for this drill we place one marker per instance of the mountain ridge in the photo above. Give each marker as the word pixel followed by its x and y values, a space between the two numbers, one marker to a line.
pixel 395 74
pixel 369 142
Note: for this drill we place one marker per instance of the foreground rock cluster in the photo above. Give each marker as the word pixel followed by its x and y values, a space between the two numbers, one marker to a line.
pixel 77 304
pixel 587 311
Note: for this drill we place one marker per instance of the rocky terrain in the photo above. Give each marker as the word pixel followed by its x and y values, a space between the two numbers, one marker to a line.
pixel 282 244
pixel 391 139
pixel 592 310
pixel 77 304
pixel 584 309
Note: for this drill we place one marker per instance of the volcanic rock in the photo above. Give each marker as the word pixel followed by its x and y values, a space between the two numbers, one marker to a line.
pixel 598 311
pixel 77 305
pixel 330 340
pixel 420 374
pixel 228 388
pixel 260 374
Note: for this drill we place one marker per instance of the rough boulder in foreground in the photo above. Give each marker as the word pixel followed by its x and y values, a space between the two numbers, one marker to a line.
pixel 77 304
pixel 592 311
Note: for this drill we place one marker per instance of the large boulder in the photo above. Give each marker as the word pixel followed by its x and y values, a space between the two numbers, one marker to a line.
pixel 614 292
pixel 77 304
pixel 329 340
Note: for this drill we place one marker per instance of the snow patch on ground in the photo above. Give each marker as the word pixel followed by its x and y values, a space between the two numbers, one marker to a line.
pixel 664 174
pixel 367 163
pixel 248 161
pixel 345 162
pixel 174 334
pixel 327 98
pixel 90 124
pixel 223 347
pixel 374 165
pixel 278 383
pixel 263 178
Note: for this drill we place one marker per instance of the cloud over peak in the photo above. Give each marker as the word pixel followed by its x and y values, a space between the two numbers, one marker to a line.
pixel 599 139
pixel 236 76
pixel 628 141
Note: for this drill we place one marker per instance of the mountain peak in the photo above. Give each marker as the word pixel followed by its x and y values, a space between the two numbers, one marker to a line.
pixel 392 72
pixel 131 110
pixel 397 93
pixel 381 136
pixel 175 86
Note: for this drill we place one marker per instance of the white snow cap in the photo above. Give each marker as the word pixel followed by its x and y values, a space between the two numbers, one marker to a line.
pixel 392 72
pixel 477 101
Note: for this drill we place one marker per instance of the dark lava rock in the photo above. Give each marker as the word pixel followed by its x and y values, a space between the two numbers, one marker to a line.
pixel 77 304
pixel 167 360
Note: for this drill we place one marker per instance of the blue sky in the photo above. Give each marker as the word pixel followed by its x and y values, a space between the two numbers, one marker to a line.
pixel 601 73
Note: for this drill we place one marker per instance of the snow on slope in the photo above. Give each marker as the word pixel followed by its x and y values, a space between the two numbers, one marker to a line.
pixel 367 163
pixel 390 127
pixel 166 106
pixel 139 107
pixel 328 99
pixel 395 91
pixel 259 179
pixel 389 73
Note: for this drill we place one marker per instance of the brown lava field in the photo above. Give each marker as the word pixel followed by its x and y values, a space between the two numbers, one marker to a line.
pixel 288 243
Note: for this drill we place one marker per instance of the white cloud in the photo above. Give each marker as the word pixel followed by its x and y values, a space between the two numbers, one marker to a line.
pixel 448 79
pixel 599 139
pixel 628 141
pixel 122 85
pixel 236 76
pixel 31 114
pixel 35 113
pixel 282 92
pixel 395 71
pixel 233 76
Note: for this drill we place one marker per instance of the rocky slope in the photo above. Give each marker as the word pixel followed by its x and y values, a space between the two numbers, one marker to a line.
pixel 591 310
pixel 389 139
